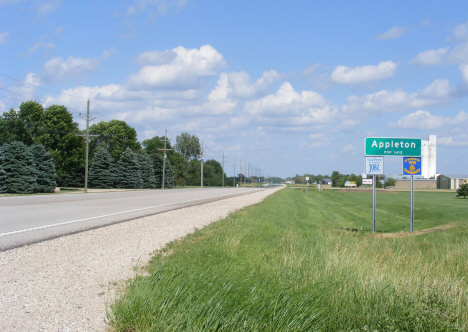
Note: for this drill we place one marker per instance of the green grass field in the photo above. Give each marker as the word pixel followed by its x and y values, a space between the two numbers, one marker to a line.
pixel 298 262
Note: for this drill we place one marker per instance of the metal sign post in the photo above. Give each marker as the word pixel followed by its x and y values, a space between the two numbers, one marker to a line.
pixel 412 205
pixel 373 203
pixel 307 186
pixel 412 166
pixel 374 166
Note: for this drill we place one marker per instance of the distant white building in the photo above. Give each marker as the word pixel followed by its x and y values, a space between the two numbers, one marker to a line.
pixel 429 157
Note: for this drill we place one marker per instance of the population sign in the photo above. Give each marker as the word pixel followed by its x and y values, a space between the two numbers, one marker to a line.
pixel 388 146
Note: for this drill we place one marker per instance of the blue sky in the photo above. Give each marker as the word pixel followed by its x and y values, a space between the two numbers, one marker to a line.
pixel 292 87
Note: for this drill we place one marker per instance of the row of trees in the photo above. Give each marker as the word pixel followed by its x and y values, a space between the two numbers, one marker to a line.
pixel 301 179
pixel 339 180
pixel 26 169
pixel 54 129
pixel 133 170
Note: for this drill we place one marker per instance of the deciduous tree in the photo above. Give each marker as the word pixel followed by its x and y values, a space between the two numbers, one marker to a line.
pixel 188 146
pixel 117 136
pixel 463 190
pixel 59 137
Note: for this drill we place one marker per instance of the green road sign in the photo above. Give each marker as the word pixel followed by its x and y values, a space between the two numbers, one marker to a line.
pixel 389 146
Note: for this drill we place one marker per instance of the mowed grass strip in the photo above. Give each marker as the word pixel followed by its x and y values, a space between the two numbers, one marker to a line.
pixel 298 262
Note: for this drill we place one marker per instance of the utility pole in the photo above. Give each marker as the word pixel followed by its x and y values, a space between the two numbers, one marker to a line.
pixel 240 180
pixel 245 169
pixel 248 173
pixel 223 156
pixel 86 137
pixel 164 158
pixel 201 155
pixel 234 182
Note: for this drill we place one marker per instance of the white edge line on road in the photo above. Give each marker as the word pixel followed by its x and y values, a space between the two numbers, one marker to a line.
pixel 103 216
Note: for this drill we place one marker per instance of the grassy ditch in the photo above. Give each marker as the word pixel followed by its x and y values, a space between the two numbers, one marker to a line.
pixel 298 262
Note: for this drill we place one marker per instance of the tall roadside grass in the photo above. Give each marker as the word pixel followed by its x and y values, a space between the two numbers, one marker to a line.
pixel 298 262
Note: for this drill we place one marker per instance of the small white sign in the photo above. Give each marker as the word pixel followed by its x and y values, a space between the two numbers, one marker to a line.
pixel 364 175
pixel 366 181
pixel 307 178
pixel 374 165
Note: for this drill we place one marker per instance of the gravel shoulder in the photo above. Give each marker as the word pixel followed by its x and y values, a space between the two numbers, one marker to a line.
pixel 66 283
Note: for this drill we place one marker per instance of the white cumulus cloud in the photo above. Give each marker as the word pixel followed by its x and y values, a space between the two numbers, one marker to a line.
pixel 385 101
pixel 48 7
pixel 288 108
pixel 27 90
pixel 364 74
pixel 348 149
pixel 460 33
pixel 239 85
pixel 39 44
pixel 154 6
pixel 286 101
pixel 393 33
pixel 59 69
pixel 431 57
pixel 4 37
pixel 449 141
pixel 425 120
pixel 464 70
pixel 180 68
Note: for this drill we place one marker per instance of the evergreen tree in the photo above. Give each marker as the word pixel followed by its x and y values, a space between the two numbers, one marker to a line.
pixel 45 169
pixel 18 165
pixel 147 171
pixel 3 187
pixel 169 175
pixel 157 159
pixel 101 173
pixel 74 178
pixel 128 171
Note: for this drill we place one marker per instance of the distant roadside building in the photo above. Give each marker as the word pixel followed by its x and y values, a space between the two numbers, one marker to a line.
pixel 451 182
pixel 417 184
pixel 443 182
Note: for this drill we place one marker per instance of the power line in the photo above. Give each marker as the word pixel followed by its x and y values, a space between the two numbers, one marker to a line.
pixel 65 94
pixel 133 124
pixel 37 101
pixel 39 87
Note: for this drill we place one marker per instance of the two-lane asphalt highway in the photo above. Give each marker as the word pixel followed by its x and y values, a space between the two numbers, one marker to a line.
pixel 35 218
